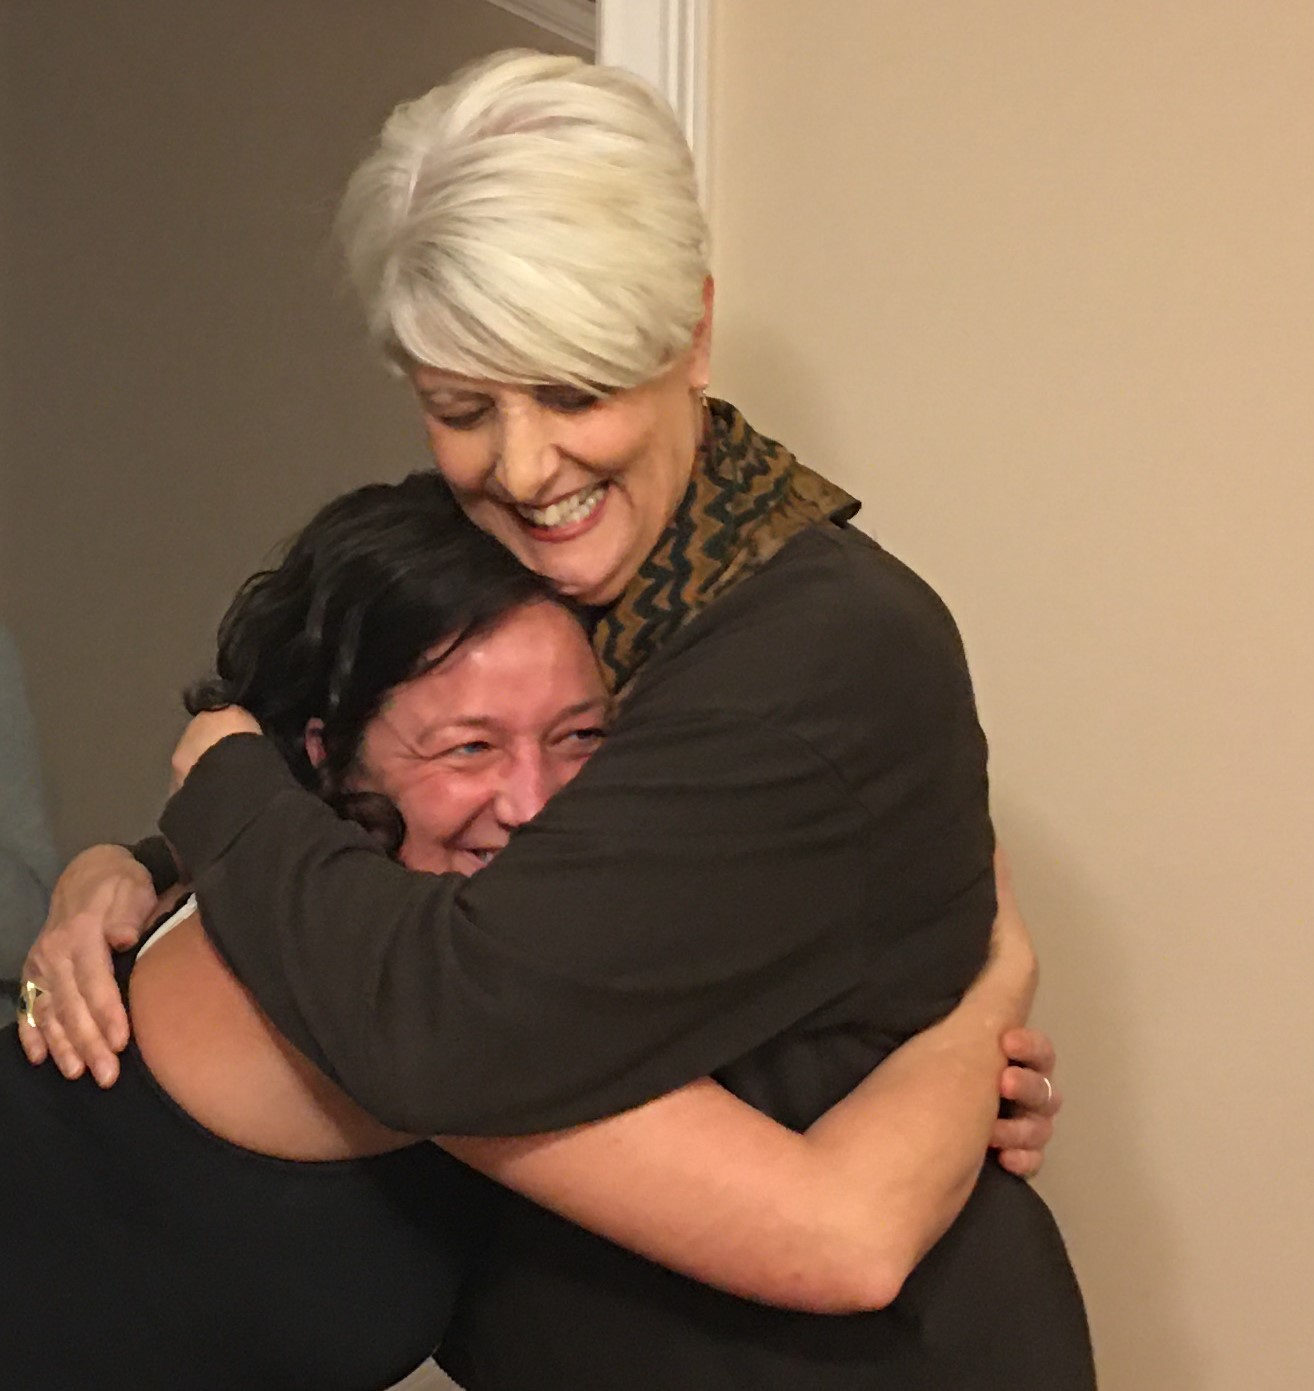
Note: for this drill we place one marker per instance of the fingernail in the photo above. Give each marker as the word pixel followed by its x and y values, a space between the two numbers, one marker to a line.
pixel 103 1073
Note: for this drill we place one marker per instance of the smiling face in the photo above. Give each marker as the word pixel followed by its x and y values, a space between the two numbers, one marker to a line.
pixel 475 747
pixel 578 486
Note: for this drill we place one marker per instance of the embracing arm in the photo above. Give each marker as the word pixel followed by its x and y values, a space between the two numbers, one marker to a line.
pixel 708 881
pixel 644 906
pixel 830 1221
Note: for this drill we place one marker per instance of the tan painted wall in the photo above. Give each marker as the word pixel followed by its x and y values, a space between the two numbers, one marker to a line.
pixel 1037 281
pixel 181 380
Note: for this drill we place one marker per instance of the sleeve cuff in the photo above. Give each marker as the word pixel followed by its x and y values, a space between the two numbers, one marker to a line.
pixel 231 784
pixel 156 858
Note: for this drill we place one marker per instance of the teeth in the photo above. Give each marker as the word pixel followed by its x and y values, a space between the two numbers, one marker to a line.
pixel 569 510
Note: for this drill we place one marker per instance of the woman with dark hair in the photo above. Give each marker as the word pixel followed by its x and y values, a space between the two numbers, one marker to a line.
pixel 270 1233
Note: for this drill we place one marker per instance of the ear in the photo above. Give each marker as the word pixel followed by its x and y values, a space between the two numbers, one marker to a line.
pixel 700 351
pixel 314 742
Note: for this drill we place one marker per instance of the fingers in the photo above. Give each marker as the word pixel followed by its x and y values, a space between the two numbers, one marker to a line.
pixel 86 1011
pixel 1020 1138
pixel 42 1036
pixel 104 1004
pixel 1022 1133
pixel 1030 1048
pixel 1023 1163
pixel 1030 1091
pixel 32 1043
pixel 87 998
pixel 103 898
pixel 122 936
pixel 80 1017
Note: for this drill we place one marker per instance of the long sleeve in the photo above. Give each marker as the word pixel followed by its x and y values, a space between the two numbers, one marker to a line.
pixel 659 919
pixel 786 833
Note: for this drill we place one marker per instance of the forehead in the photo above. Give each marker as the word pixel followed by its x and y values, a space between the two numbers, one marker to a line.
pixel 520 674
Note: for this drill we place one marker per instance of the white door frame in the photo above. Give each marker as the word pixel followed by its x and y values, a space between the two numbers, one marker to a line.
pixel 668 43
pixel 575 20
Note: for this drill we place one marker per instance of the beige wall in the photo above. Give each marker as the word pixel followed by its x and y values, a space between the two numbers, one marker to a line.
pixel 180 379
pixel 1037 281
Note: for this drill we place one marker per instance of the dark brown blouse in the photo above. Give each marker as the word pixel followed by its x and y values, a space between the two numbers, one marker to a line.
pixel 776 869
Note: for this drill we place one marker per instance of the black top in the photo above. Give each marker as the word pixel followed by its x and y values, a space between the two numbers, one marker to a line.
pixel 143 1252
pixel 775 871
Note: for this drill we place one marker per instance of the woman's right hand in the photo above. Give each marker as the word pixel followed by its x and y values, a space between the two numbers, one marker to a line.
pixel 102 901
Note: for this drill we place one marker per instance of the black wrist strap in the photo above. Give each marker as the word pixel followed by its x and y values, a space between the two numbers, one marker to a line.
pixel 154 855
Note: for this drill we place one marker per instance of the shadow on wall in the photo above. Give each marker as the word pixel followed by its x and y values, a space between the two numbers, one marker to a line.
pixel 1139 1323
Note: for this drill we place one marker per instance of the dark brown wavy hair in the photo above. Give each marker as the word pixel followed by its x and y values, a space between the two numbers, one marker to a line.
pixel 363 596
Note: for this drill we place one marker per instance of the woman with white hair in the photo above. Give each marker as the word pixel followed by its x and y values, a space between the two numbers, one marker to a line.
pixel 776 870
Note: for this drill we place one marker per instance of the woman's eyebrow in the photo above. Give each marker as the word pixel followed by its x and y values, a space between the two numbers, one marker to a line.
pixel 447 395
pixel 599 703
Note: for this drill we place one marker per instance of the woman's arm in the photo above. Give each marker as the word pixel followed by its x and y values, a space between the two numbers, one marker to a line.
pixel 102 901
pixel 828 1221
pixel 831 1221
pixel 74 947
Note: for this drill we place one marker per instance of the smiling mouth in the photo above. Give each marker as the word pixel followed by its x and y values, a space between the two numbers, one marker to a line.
pixel 566 511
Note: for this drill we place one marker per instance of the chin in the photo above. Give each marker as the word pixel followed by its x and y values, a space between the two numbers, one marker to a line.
pixel 594 574
pixel 593 584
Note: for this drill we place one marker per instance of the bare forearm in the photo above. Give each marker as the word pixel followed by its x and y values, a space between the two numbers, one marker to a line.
pixel 831 1221
pixel 701 1182
pixel 905 1148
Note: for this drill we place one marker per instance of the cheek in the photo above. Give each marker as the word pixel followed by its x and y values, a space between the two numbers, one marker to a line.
pixel 429 808
pixel 461 460
pixel 657 470
pixel 565 768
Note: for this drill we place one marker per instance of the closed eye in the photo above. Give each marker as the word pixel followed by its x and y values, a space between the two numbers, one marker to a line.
pixel 568 400
pixel 459 420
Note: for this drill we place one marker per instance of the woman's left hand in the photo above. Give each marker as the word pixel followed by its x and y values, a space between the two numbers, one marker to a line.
pixel 1021 1137
pixel 204 732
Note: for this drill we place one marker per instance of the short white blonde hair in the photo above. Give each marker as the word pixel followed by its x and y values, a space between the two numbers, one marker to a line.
pixel 534 219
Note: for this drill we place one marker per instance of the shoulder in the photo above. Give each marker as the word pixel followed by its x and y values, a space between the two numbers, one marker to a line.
pixel 834 620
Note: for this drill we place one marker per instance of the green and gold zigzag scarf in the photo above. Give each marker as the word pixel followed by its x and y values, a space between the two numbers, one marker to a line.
pixel 747 497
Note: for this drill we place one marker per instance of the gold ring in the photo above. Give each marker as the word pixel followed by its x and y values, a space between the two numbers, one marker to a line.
pixel 27 998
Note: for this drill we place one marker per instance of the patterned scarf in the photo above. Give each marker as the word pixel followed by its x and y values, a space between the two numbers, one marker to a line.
pixel 747 497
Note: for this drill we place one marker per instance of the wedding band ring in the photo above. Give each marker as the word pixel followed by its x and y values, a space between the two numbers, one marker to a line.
pixel 27 998
pixel 1049 1089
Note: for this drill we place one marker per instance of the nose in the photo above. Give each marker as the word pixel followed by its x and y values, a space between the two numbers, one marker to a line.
pixel 527 459
pixel 523 791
